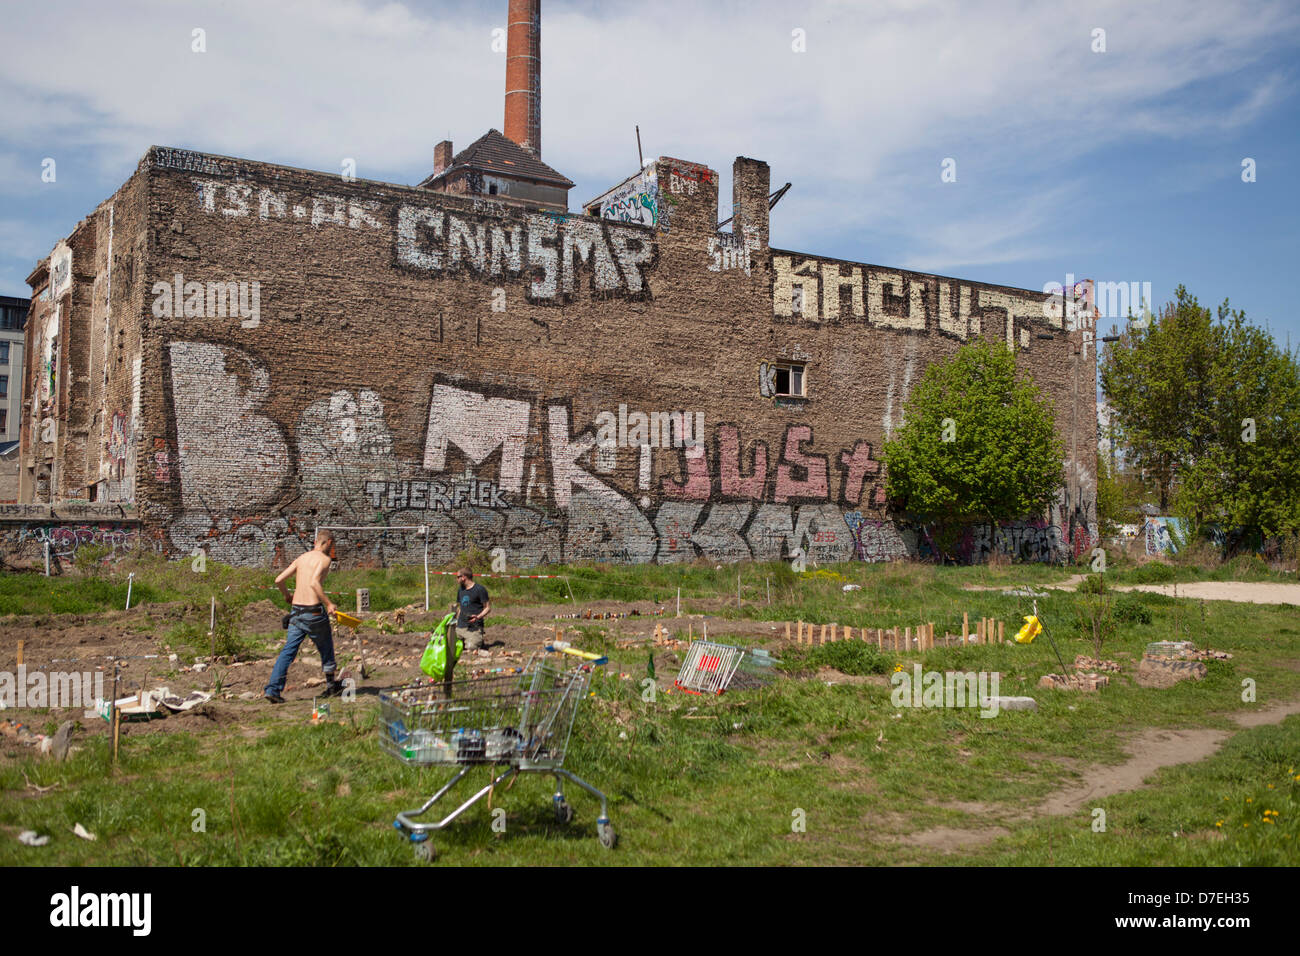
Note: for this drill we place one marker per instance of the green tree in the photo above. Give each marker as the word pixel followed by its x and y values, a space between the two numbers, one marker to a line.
pixel 1209 407
pixel 1157 381
pixel 1247 478
pixel 977 445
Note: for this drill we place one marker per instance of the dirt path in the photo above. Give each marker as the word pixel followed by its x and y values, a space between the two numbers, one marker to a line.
pixel 1148 752
pixel 1250 592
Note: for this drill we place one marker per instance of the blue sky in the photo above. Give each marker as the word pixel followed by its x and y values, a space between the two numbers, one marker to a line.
pixel 1122 165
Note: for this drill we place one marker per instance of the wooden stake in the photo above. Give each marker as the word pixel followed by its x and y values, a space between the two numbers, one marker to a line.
pixel 823 635
pixel 848 633
pixel 908 639
pixel 965 626
pixel 800 637
pixel 20 653
pixel 880 638
pixel 833 636
pixel 787 630
pixel 1002 634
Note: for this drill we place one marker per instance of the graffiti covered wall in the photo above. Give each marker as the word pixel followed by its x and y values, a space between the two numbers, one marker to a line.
pixel 563 387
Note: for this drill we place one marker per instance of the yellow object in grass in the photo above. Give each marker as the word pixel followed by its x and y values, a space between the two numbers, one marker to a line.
pixel 1030 631
pixel 347 620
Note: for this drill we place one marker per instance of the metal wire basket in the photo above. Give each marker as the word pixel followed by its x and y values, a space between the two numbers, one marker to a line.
pixel 708 667
pixel 524 717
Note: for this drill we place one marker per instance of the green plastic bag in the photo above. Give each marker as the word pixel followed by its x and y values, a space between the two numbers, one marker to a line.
pixel 434 660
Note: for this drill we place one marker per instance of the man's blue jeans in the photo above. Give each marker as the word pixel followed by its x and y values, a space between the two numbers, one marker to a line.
pixel 304 623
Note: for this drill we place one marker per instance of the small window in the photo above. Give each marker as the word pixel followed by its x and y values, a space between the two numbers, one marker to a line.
pixel 790 381
pixel 4 386
pixel 4 420
pixel 492 189
pixel 4 353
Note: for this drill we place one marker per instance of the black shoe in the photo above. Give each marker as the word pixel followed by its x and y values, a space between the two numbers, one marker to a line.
pixel 273 698
pixel 333 688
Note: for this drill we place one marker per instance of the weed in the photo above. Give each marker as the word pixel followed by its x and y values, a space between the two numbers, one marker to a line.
pixel 1130 610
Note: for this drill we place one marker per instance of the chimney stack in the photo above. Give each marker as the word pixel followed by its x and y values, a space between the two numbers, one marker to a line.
pixel 524 75
pixel 442 156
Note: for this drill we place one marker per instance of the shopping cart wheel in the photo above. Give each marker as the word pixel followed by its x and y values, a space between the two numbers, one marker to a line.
pixel 563 812
pixel 608 837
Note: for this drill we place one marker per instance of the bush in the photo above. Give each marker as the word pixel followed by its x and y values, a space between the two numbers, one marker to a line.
pixel 1130 610
pixel 1153 572
pixel 1091 584
pixel 91 559
pixel 850 657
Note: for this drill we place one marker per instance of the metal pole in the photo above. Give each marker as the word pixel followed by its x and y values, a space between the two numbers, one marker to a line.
pixel 679 602
pixel 47 559
pixel 130 579
pixel 426 567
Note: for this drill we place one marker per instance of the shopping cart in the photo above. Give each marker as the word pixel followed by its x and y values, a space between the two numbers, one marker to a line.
pixel 521 720
pixel 708 667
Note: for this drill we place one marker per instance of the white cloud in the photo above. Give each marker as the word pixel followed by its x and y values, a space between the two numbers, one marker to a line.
pixel 859 122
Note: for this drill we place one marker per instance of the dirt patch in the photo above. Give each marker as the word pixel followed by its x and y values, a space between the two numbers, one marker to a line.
pixel 262 617
pixel 830 675
pixel 1148 752
pixel 949 839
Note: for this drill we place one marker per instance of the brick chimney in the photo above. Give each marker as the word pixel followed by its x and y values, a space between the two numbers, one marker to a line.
pixel 442 156
pixel 524 75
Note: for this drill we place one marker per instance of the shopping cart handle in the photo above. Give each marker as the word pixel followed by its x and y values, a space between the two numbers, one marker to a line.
pixel 585 655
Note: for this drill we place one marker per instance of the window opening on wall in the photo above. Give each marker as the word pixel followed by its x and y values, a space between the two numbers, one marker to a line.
pixel 791 380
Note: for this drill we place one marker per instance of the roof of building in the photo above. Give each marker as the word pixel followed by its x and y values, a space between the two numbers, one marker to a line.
pixel 494 153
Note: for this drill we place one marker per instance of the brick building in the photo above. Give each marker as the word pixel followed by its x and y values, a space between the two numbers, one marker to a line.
pixel 227 353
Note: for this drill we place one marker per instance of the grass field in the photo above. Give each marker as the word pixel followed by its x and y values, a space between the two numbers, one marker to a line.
pixel 815 766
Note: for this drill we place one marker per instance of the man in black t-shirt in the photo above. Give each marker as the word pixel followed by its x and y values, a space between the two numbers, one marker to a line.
pixel 473 605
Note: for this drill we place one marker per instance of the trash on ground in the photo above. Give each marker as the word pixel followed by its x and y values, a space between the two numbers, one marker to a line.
pixel 1030 631
pixel 30 838
pixel 708 667
pixel 82 832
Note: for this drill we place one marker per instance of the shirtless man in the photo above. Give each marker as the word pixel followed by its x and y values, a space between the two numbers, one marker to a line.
pixel 309 616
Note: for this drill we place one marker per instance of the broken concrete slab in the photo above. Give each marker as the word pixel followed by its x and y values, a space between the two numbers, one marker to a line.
pixel 1083 682
pixel 62 739
pixel 1012 703
pixel 1163 672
